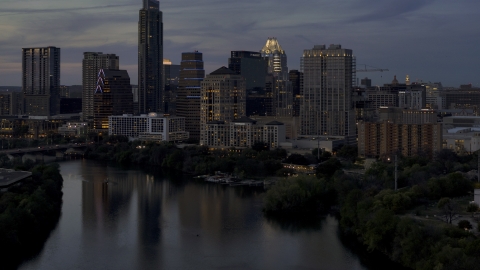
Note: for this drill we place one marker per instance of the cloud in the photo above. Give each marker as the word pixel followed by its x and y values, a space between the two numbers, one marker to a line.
pixel 406 36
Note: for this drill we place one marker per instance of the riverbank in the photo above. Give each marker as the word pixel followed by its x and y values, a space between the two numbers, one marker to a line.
pixel 29 212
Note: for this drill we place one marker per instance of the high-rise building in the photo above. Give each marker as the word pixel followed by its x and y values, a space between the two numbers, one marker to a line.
pixel 41 81
pixel 112 96
pixel 223 99
pixel 92 63
pixel 189 88
pixel 150 58
pixel 282 96
pixel 253 67
pixel 171 75
pixel 327 108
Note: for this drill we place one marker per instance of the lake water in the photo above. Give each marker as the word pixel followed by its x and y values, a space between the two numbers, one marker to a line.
pixel 144 221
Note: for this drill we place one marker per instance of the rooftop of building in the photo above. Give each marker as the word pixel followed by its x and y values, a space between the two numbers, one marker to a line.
pixel 274 123
pixel 462 117
pixel 272 46
pixel 223 71
pixel 216 122
pixel 150 115
pixel 244 119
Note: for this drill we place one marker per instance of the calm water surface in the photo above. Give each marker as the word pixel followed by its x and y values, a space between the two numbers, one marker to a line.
pixel 141 221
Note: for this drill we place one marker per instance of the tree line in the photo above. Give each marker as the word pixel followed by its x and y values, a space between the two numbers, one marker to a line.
pixel 28 213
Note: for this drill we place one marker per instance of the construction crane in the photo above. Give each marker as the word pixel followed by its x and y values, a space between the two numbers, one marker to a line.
pixel 372 69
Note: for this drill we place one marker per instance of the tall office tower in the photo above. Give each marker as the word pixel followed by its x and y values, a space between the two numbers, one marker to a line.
pixel 188 92
pixel 150 58
pixel 41 81
pixel 92 63
pixel 295 77
pixel 277 66
pixel 223 99
pixel 112 96
pixel 171 75
pixel 326 108
pixel 252 66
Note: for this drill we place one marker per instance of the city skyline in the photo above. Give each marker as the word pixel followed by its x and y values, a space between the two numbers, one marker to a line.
pixel 431 40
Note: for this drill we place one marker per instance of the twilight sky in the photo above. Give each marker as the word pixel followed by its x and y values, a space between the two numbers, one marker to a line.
pixel 430 40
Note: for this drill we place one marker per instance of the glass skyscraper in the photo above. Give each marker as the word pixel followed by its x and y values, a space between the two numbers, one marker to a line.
pixel 150 58
pixel 92 63
pixel 41 81
pixel 189 87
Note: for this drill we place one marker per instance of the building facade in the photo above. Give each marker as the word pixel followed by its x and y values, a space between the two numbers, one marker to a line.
pixel 41 81
pixel 243 133
pixel 463 98
pixel 113 96
pixel 327 108
pixel 295 77
pixel 151 127
pixel 385 139
pixel 150 58
pixel 171 75
pixel 252 66
pixel 223 98
pixel 92 63
pixel 189 88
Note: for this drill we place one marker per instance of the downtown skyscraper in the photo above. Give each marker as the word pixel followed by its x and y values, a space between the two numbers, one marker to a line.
pixel 326 108
pixel 282 96
pixel 41 81
pixel 92 63
pixel 150 58
pixel 189 88
pixel 112 96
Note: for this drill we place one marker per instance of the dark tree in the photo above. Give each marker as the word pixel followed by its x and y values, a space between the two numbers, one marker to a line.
pixel 296 159
pixel 260 146
pixel 464 224
pixel 448 208
pixel 349 152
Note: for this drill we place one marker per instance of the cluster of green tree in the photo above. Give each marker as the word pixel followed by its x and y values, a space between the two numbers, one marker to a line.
pixel 375 219
pixel 295 196
pixel 371 211
pixel 28 213
pixel 257 161
pixel 374 213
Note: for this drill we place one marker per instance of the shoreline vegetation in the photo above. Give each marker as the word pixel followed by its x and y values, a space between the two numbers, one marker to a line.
pixel 369 210
pixel 29 212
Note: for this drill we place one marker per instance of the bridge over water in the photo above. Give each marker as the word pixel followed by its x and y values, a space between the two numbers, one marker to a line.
pixel 47 153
